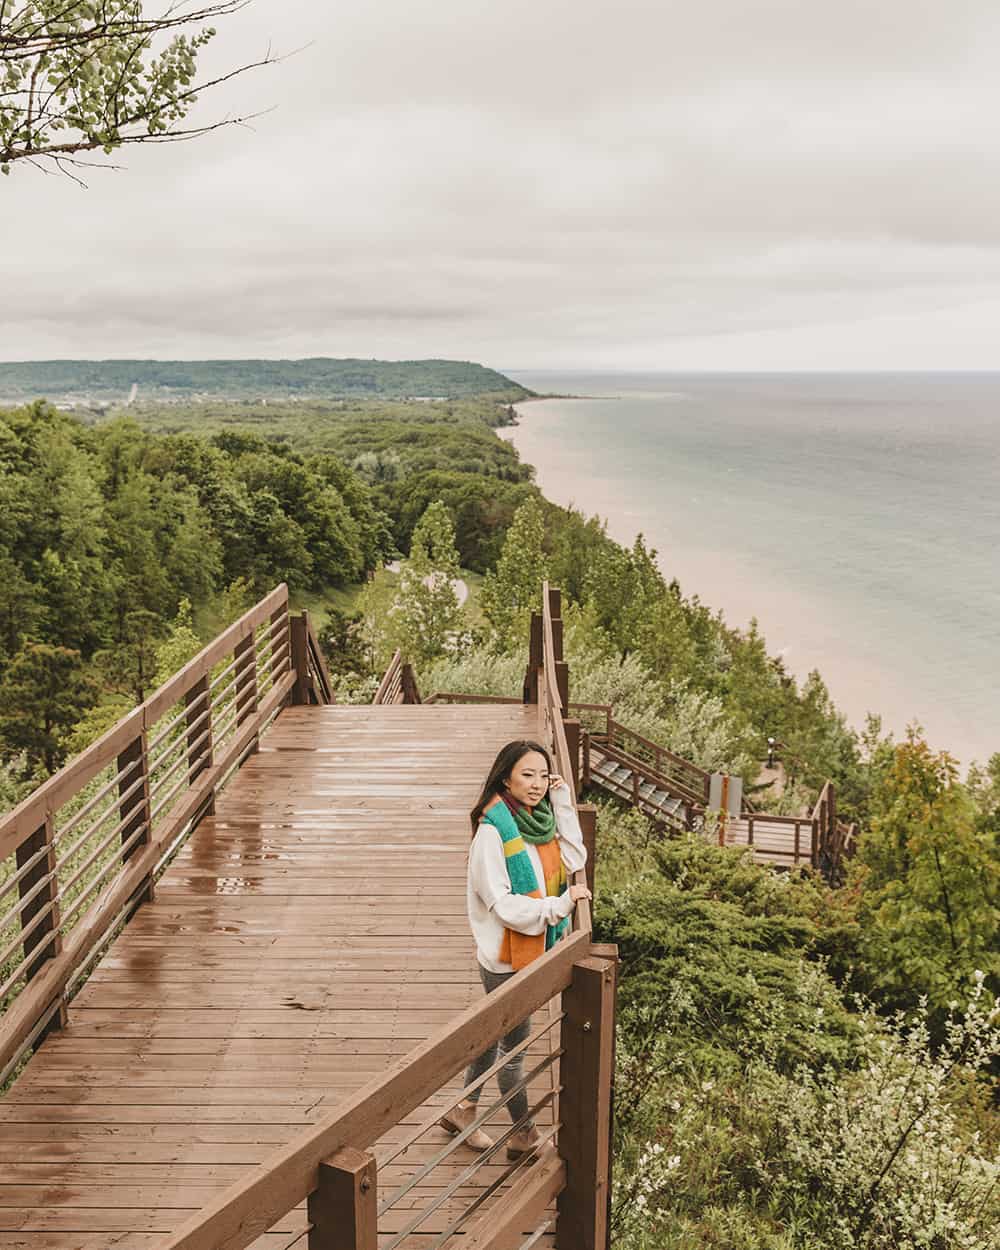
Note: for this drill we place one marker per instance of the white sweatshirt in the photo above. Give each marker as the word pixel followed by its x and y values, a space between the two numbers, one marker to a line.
pixel 492 905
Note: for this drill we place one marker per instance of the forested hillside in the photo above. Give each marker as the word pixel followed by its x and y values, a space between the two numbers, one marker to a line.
pixel 110 381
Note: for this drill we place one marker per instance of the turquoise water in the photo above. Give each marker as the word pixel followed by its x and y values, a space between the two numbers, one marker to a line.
pixel 856 516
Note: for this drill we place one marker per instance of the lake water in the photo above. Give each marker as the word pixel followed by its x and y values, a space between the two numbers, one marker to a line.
pixel 857 516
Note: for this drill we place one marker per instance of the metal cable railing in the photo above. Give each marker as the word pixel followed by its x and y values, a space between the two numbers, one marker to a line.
pixel 88 842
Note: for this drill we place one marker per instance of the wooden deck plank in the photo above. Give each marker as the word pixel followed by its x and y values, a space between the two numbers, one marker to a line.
pixel 310 933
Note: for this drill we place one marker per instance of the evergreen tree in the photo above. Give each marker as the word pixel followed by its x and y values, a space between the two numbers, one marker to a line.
pixel 43 693
pixel 514 589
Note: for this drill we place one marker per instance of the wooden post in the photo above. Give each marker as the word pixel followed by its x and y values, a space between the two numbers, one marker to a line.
pixel 571 728
pixel 343 1208
pixel 42 839
pixel 557 638
pixel 136 809
pixel 298 647
pixel 535 659
pixel 586 1069
pixel 588 827
pixel 586 760
pixel 562 683
pixel 408 680
pixel 555 611
pixel 609 952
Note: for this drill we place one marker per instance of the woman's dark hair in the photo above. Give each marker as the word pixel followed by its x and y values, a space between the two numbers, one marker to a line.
pixel 502 767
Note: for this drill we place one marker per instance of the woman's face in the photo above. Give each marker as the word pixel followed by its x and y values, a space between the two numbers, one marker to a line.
pixel 529 779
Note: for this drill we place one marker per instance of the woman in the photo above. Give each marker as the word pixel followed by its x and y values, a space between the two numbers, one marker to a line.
pixel 526 843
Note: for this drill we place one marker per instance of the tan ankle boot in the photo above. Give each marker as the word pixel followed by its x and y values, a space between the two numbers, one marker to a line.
pixel 527 1141
pixel 459 1118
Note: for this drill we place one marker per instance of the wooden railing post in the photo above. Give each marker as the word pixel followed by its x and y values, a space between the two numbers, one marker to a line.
pixel 586 760
pixel 562 683
pixel 43 839
pixel 586 1069
pixel 342 1209
pixel 408 681
pixel 571 728
pixel 299 649
pixel 536 658
pixel 135 809
pixel 588 827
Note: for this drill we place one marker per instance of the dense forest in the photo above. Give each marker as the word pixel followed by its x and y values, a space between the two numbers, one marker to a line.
pixel 109 381
pixel 799 1066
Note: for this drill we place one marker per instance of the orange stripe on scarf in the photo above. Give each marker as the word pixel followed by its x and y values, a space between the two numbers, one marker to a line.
pixel 519 949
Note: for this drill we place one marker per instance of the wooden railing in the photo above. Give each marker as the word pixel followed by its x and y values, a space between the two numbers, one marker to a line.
pixel 313 684
pixel 835 840
pixel 398 684
pixel 84 849
pixel 335 1164
pixel 692 810
pixel 685 779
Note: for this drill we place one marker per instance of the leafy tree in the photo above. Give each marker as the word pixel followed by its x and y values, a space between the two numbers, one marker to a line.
pixel 511 592
pixel 622 585
pixel 425 618
pixel 42 694
pixel 343 642
pixel 984 786
pixel 77 76
pixel 180 645
pixel 929 883
pixel 130 666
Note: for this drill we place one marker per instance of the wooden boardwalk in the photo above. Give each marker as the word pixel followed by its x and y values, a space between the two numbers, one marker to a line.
pixel 309 933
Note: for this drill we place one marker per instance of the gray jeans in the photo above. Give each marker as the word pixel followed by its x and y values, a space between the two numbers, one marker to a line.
pixel 511 1073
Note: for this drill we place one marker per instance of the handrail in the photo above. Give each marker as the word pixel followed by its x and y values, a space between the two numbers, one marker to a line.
pixel 678 789
pixel 248 1208
pixel 390 688
pixel 82 858
pixel 694 803
pixel 661 752
pixel 398 684
pixel 316 662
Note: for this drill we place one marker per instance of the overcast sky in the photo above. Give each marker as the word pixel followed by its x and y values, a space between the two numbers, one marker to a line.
pixel 710 184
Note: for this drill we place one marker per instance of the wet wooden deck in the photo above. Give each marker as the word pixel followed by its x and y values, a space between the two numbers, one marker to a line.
pixel 310 932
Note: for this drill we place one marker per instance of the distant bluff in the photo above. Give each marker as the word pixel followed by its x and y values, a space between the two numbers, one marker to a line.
pixel 316 378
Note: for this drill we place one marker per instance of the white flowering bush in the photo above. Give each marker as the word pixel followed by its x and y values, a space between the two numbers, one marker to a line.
pixel 881 1155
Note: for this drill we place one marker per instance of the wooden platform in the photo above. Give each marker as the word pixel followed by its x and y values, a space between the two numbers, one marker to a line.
pixel 310 932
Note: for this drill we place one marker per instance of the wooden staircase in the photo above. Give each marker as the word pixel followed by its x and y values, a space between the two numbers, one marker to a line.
pixel 625 779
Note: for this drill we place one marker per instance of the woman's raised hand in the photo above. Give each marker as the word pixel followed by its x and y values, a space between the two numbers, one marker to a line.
pixel 576 892
pixel 556 782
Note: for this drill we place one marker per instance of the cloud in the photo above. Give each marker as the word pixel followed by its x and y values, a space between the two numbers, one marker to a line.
pixel 548 183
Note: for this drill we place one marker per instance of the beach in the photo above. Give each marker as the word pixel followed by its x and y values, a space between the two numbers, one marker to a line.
pixel 856 517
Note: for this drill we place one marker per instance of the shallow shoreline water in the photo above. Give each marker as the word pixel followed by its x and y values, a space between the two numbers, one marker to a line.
pixel 856 517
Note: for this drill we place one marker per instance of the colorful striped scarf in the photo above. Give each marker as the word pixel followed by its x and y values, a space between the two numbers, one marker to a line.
pixel 519 949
